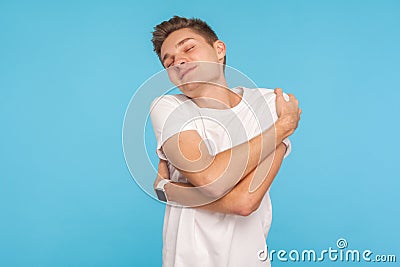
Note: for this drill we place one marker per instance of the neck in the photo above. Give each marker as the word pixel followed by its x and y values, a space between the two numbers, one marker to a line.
pixel 216 96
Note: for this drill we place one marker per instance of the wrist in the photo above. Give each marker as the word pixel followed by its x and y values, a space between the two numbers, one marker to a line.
pixel 280 133
pixel 169 192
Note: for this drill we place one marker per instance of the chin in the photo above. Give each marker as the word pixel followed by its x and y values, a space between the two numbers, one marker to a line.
pixel 190 89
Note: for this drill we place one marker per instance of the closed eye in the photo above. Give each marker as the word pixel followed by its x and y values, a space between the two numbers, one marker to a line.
pixel 169 64
pixel 189 49
pixel 186 51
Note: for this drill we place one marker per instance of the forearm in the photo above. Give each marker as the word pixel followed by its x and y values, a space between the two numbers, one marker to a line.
pixel 228 167
pixel 243 198
pixel 246 196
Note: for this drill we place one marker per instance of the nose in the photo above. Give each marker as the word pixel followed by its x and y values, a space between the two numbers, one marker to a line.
pixel 179 65
pixel 180 61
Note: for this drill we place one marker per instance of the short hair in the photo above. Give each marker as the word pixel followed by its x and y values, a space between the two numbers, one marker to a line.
pixel 165 28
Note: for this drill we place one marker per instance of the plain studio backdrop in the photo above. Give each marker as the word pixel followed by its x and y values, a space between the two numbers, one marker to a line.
pixel 69 69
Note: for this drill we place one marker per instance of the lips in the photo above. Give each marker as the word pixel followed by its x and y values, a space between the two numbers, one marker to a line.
pixel 184 72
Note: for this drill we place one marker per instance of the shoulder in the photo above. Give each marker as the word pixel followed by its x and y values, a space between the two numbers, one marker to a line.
pixel 256 93
pixel 171 110
pixel 167 102
pixel 263 91
pixel 169 99
pixel 267 93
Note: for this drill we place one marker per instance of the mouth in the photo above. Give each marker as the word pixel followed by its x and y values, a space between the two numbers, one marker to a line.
pixel 186 71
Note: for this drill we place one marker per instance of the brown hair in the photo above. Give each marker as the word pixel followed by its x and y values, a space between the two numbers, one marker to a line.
pixel 165 28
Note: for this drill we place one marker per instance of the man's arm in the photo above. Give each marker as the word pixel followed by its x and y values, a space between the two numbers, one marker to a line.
pixel 216 175
pixel 240 200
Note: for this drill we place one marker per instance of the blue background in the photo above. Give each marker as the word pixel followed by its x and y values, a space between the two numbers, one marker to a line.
pixel 67 73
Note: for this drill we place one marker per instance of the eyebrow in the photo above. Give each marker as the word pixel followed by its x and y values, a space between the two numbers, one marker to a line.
pixel 182 42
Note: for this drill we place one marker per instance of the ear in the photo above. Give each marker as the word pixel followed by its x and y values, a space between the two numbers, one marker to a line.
pixel 220 48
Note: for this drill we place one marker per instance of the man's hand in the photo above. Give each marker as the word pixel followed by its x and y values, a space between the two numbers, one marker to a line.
pixel 163 172
pixel 288 114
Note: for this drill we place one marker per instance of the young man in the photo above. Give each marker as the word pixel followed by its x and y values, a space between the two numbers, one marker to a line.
pixel 220 172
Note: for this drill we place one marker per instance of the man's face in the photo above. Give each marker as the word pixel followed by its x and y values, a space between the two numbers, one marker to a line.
pixel 182 53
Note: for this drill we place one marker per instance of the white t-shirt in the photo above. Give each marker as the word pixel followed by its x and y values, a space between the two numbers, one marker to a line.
pixel 195 237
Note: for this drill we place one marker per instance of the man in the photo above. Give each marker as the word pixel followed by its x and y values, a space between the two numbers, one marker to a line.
pixel 222 184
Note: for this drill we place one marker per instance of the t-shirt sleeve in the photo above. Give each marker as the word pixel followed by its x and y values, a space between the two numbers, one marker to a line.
pixel 169 116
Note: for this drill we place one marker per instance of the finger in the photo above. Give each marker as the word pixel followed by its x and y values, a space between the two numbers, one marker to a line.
pixel 292 97
pixel 161 176
pixel 163 171
pixel 278 92
pixel 162 164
